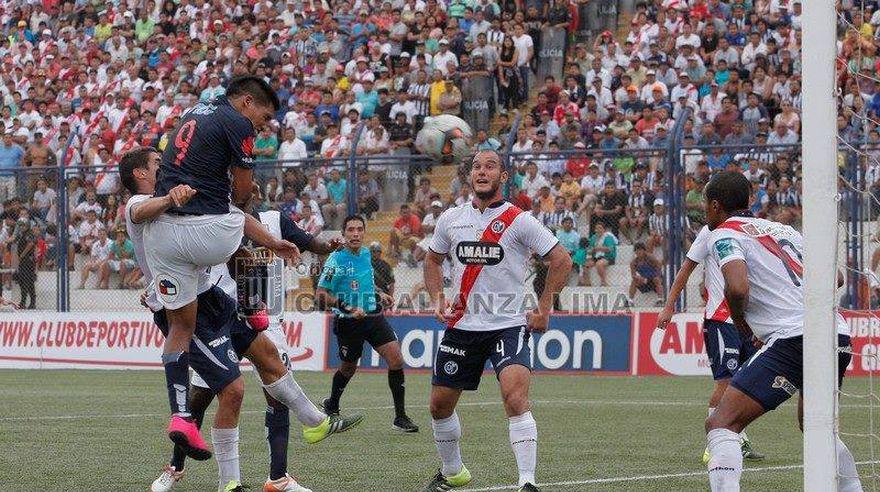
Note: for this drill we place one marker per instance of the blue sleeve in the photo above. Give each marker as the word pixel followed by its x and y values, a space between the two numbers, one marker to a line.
pixel 292 232
pixel 327 273
pixel 241 137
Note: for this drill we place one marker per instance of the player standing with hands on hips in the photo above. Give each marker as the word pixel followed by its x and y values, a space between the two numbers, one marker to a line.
pixel 347 286
pixel 490 242
pixel 213 141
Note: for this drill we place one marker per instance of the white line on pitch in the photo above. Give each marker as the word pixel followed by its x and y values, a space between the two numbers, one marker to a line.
pixel 644 477
pixel 640 403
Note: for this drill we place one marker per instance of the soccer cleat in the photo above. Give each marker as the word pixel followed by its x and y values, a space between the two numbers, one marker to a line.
pixel 184 433
pixel 329 407
pixel 440 483
pixel 232 486
pixel 333 424
pixel 258 321
pixel 404 424
pixel 284 484
pixel 529 487
pixel 747 451
pixel 706 456
pixel 166 480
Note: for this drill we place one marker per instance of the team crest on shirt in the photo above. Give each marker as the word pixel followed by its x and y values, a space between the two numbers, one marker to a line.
pixel 166 286
pixel 498 227
pixel 355 284
pixel 451 367
pixel 732 363
pixel 231 354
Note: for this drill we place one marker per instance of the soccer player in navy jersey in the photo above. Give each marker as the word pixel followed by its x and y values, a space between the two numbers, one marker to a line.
pixel 213 141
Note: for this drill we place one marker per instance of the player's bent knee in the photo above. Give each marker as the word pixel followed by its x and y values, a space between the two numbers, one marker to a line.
pixel 233 394
pixel 348 369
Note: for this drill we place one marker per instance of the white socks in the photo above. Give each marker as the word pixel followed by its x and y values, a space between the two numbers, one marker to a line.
pixel 291 395
pixel 447 436
pixel 726 464
pixel 226 453
pixel 848 475
pixel 524 442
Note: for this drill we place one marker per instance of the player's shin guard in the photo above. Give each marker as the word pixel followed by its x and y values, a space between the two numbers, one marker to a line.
pixel 199 400
pixel 726 464
pixel 291 395
pixel 395 382
pixel 277 434
pixel 177 380
pixel 848 475
pixel 226 453
pixel 447 437
pixel 523 433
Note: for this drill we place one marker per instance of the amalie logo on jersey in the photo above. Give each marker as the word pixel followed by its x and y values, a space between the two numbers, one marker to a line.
pixel 479 253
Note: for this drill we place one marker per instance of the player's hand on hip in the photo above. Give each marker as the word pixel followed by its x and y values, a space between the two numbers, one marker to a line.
pixel 664 318
pixel 181 194
pixel 286 250
pixel 538 321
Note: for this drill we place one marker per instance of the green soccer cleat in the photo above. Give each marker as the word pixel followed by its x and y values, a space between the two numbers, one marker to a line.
pixel 441 483
pixel 706 456
pixel 749 453
pixel 232 486
pixel 333 424
pixel 529 487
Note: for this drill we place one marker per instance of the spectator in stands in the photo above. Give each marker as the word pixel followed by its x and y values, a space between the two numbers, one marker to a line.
pixel 11 155
pixel 308 221
pixel 26 249
pixel 121 261
pixel 334 206
pixel 383 273
pixel 368 194
pixel 568 236
pixel 89 231
pixel 600 252
pixel 43 201
pixel 610 207
pixel 406 233
pixel 638 207
pixel 292 148
pixel 99 252
pixel 646 273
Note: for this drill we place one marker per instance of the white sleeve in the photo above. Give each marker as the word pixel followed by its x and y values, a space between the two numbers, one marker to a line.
pixel 726 247
pixel 134 200
pixel 699 250
pixel 440 241
pixel 534 235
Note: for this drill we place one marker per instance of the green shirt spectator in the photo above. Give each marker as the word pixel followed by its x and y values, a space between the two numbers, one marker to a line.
pixel 143 28
pixel 336 190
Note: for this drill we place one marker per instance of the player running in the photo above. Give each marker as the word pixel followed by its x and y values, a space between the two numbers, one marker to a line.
pixel 220 336
pixel 347 286
pixel 490 242
pixel 727 347
pixel 213 140
pixel 761 266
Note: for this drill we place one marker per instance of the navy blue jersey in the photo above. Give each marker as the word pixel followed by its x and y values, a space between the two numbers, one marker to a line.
pixel 211 138
pixel 293 233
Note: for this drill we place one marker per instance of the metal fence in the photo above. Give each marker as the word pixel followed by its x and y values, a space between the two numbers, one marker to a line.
pixel 320 192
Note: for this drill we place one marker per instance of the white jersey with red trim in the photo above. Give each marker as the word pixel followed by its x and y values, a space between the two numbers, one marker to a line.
pixel 773 255
pixel 490 253
pixel 716 304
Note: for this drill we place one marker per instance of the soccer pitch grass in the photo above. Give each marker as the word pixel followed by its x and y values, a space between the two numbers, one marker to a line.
pixel 103 430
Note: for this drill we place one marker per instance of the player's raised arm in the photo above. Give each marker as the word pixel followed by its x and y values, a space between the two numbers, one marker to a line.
pixel 149 209
pixel 678 285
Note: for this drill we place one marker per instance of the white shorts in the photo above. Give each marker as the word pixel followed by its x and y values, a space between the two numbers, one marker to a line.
pixel 181 249
pixel 276 335
pixel 115 265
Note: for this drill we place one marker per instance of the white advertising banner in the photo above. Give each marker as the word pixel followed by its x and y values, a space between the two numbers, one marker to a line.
pixel 124 340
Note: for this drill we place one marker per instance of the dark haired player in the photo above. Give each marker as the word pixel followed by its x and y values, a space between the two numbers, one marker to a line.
pixel 490 243
pixel 213 140
pixel 347 286
pixel 760 261
pixel 219 342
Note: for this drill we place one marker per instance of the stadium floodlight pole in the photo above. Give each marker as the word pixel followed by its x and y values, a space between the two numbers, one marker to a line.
pixel 353 171
pixel 819 157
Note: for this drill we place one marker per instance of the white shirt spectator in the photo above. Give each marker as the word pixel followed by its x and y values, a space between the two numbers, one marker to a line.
pixel 101 251
pixel 533 185
pixel 292 150
pixel 523 44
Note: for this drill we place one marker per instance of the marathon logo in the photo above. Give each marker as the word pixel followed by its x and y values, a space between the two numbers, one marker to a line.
pixel 453 351
pixel 479 253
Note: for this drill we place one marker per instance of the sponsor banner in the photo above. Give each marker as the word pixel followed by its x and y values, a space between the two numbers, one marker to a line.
pixel 123 340
pixel 865 332
pixel 552 53
pixel 678 350
pixel 476 94
pixel 573 343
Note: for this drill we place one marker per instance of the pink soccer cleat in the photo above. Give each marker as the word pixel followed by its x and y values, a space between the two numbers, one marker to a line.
pixel 185 434
pixel 258 321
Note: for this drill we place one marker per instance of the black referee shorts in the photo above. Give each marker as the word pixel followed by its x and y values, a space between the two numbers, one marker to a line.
pixel 351 334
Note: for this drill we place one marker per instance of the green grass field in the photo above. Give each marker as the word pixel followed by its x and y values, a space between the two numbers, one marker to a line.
pixel 102 430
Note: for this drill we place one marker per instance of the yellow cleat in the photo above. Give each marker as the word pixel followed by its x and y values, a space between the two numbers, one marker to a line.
pixel 334 424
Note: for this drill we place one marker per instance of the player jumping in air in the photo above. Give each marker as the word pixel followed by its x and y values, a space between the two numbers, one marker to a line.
pixel 221 339
pixel 761 266
pixel 727 347
pixel 490 242
pixel 213 140
pixel 347 285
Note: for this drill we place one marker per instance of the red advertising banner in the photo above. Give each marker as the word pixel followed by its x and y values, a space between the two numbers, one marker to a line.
pixel 678 350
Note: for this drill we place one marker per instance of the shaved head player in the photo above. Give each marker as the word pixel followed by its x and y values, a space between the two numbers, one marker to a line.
pixel 489 242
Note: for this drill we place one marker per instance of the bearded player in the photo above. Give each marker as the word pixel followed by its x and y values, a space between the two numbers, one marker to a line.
pixel 213 141
pixel 727 347
pixel 490 242
pixel 220 335
pixel 761 265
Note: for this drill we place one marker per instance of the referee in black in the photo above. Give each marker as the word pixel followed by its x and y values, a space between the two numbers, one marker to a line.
pixel 347 287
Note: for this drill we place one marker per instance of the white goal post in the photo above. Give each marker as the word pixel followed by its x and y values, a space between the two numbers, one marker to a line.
pixel 819 148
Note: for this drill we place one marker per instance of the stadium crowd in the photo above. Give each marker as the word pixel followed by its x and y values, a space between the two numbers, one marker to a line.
pixel 83 82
